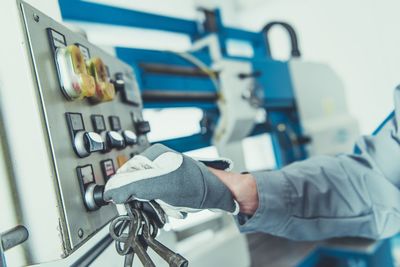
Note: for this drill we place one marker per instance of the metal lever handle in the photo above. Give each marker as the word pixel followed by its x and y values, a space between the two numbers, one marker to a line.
pixel 10 239
pixel 295 52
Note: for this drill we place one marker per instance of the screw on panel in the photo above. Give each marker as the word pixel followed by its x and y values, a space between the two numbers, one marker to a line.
pixel 80 233
pixel 36 17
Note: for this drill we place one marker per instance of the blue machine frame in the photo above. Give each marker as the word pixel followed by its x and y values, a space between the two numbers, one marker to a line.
pixel 277 91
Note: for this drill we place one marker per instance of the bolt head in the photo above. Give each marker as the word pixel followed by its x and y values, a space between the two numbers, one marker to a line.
pixel 80 233
pixel 36 17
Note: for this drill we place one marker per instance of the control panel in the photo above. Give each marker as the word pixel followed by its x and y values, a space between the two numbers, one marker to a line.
pixel 92 112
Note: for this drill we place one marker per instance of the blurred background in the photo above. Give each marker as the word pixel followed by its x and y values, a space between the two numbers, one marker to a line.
pixel 357 40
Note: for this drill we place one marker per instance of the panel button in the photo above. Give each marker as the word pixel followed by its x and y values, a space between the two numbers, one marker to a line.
pixel 107 168
pixel 75 81
pixel 121 160
pixel 130 137
pixel 119 82
pixel 142 127
pixel 98 123
pixel 126 84
pixel 85 178
pixel 105 90
pixel 115 123
pixel 85 175
pixel 75 122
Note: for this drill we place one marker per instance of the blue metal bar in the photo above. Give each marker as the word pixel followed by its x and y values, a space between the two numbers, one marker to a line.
pixel 78 10
pixel 388 118
pixel 134 56
pixel 239 34
pixel 99 13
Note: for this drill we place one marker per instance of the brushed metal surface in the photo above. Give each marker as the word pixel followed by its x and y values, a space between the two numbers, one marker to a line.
pixel 75 217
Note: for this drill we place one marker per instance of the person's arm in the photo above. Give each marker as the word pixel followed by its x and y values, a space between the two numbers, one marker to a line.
pixel 243 188
pixel 323 197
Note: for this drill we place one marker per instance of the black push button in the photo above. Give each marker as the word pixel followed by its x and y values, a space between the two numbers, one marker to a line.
pixel 85 175
pixel 142 127
pixel 98 123
pixel 75 122
pixel 115 123
pixel 119 82
pixel 127 86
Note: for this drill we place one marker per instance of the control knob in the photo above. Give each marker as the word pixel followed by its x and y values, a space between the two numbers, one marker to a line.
pixel 94 197
pixel 87 142
pixel 113 140
pixel 130 137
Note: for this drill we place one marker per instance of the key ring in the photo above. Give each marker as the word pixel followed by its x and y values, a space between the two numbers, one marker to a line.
pixel 123 240
pixel 149 227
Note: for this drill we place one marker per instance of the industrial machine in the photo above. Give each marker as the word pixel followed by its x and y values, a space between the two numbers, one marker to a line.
pixel 83 109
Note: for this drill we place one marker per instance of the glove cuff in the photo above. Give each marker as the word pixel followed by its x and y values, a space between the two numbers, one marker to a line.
pixel 224 164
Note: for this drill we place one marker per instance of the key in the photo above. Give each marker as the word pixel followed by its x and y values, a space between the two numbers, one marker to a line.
pixel 133 239
pixel 117 228
pixel 149 232
pixel 128 261
pixel 129 244
pixel 153 211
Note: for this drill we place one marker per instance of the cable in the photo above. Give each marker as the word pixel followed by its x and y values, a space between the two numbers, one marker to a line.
pixel 200 64
pixel 295 52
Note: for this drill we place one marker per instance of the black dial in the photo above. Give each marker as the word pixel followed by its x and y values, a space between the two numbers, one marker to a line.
pixel 115 140
pixel 87 142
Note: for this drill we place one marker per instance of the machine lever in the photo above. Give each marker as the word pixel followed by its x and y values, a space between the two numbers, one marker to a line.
pixel 10 239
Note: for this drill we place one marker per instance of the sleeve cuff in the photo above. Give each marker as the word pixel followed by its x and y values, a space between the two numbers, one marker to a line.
pixel 274 191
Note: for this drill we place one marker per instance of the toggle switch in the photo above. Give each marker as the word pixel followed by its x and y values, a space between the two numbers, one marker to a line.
pixel 115 140
pixel 105 90
pixel 86 143
pixel 75 81
pixel 142 127
pixel 83 142
pixel 130 137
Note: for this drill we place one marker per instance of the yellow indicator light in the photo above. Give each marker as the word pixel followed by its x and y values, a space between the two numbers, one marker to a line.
pixel 121 159
pixel 105 90
pixel 75 81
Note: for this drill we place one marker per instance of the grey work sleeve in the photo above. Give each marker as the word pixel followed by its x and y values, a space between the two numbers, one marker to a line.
pixel 326 196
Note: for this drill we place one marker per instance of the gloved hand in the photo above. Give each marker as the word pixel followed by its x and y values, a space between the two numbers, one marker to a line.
pixel 178 183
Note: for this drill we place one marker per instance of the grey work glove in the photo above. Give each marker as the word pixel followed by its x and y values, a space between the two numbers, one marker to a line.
pixel 178 183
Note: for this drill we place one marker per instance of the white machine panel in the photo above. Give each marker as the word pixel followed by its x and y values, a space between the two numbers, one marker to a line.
pixel 324 116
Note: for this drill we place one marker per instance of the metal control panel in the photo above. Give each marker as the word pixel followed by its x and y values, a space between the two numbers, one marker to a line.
pixel 92 110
